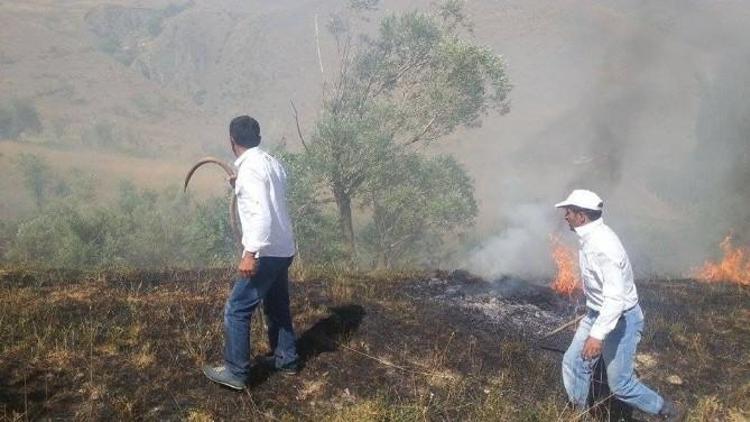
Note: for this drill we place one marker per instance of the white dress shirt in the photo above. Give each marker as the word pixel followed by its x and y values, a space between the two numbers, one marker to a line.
pixel 261 201
pixel 607 276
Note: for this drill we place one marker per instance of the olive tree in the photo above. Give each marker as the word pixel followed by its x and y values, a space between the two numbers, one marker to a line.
pixel 412 82
pixel 37 176
pixel 415 203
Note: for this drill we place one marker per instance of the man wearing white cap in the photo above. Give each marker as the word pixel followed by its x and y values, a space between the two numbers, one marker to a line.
pixel 612 326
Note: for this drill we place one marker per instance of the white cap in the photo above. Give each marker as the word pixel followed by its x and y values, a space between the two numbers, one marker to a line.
pixel 582 198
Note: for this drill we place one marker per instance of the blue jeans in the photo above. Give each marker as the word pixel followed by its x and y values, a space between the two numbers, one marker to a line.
pixel 271 285
pixel 618 352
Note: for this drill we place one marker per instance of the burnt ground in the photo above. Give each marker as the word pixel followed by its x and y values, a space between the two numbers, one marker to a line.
pixel 405 346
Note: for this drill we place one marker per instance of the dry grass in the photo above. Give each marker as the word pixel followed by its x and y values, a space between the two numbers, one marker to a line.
pixel 109 169
pixel 128 346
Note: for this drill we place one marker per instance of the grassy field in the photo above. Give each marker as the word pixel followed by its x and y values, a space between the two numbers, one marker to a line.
pixel 108 169
pixel 114 346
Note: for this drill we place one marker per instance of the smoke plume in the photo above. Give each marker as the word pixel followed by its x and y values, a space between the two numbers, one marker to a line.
pixel 659 126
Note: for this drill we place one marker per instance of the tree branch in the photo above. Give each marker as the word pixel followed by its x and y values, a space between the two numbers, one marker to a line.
pixel 317 44
pixel 399 74
pixel 340 88
pixel 418 137
pixel 296 121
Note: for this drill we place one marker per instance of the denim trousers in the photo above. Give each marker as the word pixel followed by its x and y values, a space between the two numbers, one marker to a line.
pixel 270 285
pixel 618 352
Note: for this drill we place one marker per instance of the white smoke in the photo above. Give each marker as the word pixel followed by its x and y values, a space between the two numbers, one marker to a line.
pixel 521 248
pixel 658 127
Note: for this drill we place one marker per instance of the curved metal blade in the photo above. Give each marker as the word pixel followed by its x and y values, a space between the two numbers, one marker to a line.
pixel 233 204
pixel 227 168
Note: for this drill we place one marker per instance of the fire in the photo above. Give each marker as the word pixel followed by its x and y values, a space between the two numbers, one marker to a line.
pixel 566 279
pixel 733 268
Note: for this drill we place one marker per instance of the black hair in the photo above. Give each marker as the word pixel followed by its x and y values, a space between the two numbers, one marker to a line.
pixel 593 215
pixel 245 131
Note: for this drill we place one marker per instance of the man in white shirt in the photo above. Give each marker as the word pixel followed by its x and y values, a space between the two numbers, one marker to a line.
pixel 269 248
pixel 613 324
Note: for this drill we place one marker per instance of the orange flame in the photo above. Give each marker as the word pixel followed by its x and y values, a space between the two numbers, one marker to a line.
pixel 566 279
pixel 733 268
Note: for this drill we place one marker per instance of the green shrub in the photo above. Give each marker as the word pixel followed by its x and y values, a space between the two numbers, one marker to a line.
pixel 37 176
pixel 415 206
pixel 18 116
pixel 142 229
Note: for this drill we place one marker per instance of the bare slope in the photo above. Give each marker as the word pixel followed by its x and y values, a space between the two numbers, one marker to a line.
pixel 85 96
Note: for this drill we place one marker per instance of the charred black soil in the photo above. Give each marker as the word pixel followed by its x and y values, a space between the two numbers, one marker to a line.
pixel 403 346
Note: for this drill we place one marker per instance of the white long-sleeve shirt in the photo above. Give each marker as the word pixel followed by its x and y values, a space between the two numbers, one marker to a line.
pixel 261 201
pixel 607 276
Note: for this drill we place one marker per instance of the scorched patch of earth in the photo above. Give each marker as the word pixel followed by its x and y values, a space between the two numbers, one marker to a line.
pixel 393 346
pixel 520 307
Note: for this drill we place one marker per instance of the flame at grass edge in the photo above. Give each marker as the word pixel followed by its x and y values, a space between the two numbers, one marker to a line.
pixel 734 266
pixel 567 280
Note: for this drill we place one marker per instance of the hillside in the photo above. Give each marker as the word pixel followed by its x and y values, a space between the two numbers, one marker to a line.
pixel 84 96
pixel 630 100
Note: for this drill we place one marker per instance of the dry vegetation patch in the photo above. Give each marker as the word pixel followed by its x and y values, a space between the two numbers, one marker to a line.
pixel 129 346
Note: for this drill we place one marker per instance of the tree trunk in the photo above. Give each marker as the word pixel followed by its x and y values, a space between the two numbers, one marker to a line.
pixel 383 261
pixel 344 204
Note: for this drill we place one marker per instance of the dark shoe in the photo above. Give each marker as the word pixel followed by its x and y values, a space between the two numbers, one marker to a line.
pixel 266 360
pixel 221 375
pixel 672 412
pixel 291 368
